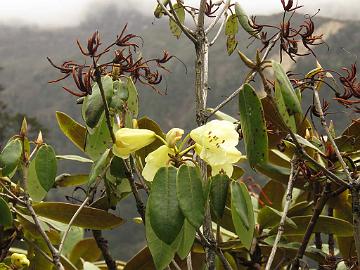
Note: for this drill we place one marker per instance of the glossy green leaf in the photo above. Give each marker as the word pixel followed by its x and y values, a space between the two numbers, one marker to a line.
pixel 277 173
pixel 253 126
pixel 90 218
pixel 158 12
pixel 132 102
pixel 161 252
pixel 10 157
pixel 231 44
pixel 85 249
pixel 38 261
pixel 99 166
pixel 99 140
pixel 218 193
pixel 187 239
pixel 242 213
pixel 190 194
pixel 5 216
pixel 165 214
pixel 74 158
pixel 72 129
pixel 68 180
pixel 244 20
pixel 36 191
pixel 325 224
pixel 280 104
pixel 93 106
pixel 291 101
pixel 269 217
pixel 231 26
pixel 180 11
pixel 46 166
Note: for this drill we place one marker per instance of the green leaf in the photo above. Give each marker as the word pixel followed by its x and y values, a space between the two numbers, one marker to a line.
pixel 35 190
pixel 244 20
pixel 161 252
pixel 231 44
pixel 253 126
pixel 90 218
pixel 74 236
pixel 121 94
pixel 174 28
pixel 272 194
pixel 133 99
pixel 218 193
pixel 231 26
pixel 325 225
pixel 292 102
pixel 74 158
pixel 188 236
pixel 10 157
pixel 85 249
pixel 280 104
pixel 190 194
pixel 72 129
pixel 46 166
pixel 99 166
pixel 68 180
pixel 5 217
pixel 242 213
pixel 350 138
pixel 269 217
pixel 165 214
pixel 93 106
pixel 99 140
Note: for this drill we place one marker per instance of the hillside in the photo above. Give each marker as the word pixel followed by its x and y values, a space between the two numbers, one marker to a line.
pixel 25 74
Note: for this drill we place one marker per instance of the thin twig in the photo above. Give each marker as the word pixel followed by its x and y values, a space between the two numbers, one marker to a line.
pixel 329 136
pixel 11 195
pixel 24 182
pixel 354 184
pixel 249 78
pixel 220 29
pixel 188 32
pixel 293 174
pixel 189 262
pixel 174 263
pixel 46 256
pixel 223 260
pixel 214 22
pixel 71 222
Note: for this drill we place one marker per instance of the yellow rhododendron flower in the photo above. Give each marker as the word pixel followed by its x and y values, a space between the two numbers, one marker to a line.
pixel 216 144
pixel 129 140
pixel 155 160
pixel 173 136
pixel 19 260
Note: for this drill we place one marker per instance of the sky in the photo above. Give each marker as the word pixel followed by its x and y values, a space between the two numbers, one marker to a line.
pixel 65 13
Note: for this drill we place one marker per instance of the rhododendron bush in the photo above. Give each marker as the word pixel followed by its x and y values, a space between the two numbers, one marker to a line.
pixel 193 200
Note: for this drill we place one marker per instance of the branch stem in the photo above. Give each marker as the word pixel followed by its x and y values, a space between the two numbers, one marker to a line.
pixel 293 174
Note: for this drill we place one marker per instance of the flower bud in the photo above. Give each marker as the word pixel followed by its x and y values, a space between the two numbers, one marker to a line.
pixel 19 260
pixel 173 136
pixel 129 140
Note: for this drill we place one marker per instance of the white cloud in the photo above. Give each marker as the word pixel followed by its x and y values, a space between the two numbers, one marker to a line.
pixel 58 13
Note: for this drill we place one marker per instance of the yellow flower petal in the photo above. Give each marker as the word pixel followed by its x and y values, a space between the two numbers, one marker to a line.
pixel 216 144
pixel 173 136
pixel 155 160
pixel 129 140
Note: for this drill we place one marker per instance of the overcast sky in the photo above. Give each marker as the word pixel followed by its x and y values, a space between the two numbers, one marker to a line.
pixel 59 13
